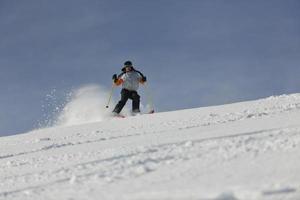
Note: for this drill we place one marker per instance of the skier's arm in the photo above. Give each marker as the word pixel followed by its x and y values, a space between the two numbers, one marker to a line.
pixel 143 79
pixel 118 81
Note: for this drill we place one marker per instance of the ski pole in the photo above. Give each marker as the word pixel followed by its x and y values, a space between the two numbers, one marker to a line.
pixel 110 95
pixel 149 98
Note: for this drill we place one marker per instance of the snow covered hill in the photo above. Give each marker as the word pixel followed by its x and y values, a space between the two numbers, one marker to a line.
pixel 244 151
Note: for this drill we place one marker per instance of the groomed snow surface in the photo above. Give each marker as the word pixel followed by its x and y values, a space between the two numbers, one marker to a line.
pixel 242 151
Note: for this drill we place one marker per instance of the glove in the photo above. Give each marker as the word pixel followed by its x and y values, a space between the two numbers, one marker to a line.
pixel 144 79
pixel 115 78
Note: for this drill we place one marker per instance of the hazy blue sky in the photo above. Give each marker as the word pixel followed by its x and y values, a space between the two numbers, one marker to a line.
pixel 194 52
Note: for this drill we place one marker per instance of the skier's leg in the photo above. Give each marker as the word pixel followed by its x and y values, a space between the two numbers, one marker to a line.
pixel 124 97
pixel 135 102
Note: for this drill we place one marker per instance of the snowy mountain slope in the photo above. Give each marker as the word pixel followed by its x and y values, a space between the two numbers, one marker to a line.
pixel 247 150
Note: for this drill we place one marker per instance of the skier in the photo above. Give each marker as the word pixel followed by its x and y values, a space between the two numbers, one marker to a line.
pixel 130 79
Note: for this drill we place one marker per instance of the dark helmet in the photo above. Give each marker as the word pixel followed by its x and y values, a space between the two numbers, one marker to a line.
pixel 128 63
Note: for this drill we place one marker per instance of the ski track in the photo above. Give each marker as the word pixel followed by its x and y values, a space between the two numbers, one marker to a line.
pixel 124 163
pixel 148 160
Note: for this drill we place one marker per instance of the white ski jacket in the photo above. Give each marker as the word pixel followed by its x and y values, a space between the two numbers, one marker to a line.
pixel 130 80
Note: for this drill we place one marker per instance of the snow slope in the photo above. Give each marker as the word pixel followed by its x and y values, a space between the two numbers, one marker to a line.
pixel 247 150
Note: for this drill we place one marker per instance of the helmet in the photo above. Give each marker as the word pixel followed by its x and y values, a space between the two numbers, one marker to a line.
pixel 128 63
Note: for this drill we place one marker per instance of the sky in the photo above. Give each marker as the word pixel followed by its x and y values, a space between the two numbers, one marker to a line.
pixel 194 53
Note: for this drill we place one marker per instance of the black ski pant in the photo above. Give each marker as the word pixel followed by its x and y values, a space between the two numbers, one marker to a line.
pixel 125 95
